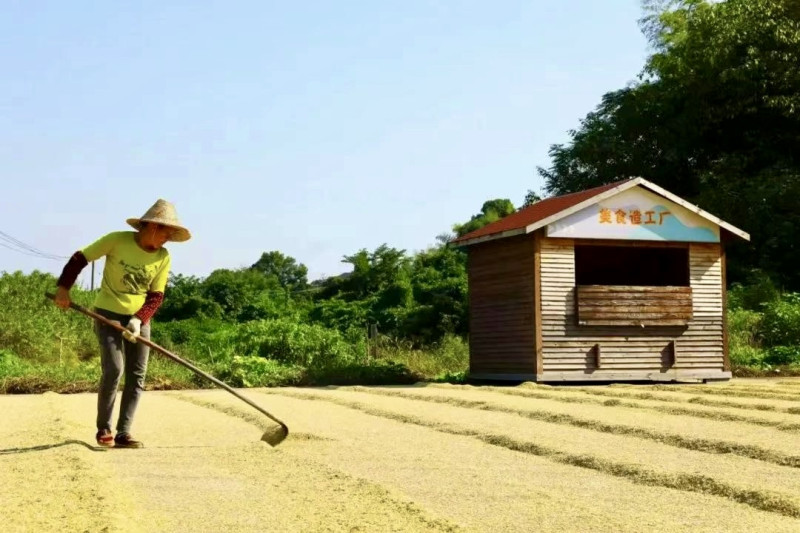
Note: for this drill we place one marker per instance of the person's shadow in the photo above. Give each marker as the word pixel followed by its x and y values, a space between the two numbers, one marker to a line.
pixel 42 447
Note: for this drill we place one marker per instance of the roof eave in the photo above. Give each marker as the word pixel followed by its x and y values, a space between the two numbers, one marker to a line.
pixel 552 218
pixel 584 204
pixel 691 207
pixel 490 237
pixel 599 198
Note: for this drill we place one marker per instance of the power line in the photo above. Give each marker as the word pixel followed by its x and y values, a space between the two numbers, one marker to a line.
pixel 16 242
pixel 19 246
pixel 23 251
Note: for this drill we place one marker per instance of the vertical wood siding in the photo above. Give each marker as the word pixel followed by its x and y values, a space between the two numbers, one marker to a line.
pixel 569 348
pixel 501 297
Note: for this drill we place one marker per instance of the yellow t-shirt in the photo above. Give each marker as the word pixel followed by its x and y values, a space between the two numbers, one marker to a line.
pixel 129 273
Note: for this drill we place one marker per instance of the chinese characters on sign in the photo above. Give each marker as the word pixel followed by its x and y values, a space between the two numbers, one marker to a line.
pixel 634 216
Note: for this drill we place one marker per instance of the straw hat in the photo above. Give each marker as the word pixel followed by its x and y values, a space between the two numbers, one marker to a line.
pixel 163 212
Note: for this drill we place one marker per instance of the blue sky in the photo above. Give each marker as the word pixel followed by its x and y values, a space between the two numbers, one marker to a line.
pixel 316 129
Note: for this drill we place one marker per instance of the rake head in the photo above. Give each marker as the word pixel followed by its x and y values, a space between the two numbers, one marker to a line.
pixel 275 435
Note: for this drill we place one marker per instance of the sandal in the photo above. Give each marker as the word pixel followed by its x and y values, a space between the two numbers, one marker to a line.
pixel 104 438
pixel 124 440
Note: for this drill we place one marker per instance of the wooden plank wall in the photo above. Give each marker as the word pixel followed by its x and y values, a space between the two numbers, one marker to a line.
pixel 501 297
pixel 705 348
pixel 569 348
pixel 615 305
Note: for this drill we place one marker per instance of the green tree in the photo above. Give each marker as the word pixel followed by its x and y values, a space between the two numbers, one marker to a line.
pixel 531 198
pixel 287 270
pixel 439 282
pixel 372 272
pixel 715 118
pixel 246 294
pixel 378 290
pixel 492 211
pixel 184 299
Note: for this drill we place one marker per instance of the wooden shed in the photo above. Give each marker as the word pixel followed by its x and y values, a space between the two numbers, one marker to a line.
pixel 621 282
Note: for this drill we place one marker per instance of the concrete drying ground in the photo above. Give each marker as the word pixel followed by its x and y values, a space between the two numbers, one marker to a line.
pixel 721 457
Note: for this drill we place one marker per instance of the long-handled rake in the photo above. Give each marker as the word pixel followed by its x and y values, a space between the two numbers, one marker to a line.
pixel 272 436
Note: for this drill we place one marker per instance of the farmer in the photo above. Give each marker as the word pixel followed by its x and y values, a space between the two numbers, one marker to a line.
pixel 134 279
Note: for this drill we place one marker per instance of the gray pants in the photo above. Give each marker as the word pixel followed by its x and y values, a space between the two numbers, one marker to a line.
pixel 116 355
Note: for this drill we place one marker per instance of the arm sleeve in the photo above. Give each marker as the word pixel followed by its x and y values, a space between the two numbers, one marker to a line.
pixel 151 304
pixel 159 283
pixel 100 247
pixel 155 296
pixel 71 270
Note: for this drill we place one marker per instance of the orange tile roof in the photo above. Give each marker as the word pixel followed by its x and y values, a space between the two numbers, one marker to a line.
pixel 536 212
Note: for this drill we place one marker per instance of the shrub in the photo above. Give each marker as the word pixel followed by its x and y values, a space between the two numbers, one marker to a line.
pixel 455 378
pixel 748 356
pixel 35 329
pixel 259 372
pixel 783 356
pixel 743 327
pixel 448 356
pixel 12 365
pixel 758 291
pixel 199 339
pixel 780 325
pixel 293 344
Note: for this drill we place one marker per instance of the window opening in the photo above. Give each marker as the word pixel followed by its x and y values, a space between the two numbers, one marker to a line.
pixel 630 265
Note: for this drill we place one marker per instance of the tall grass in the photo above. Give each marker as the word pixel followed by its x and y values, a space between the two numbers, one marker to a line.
pixel 448 360
pixel 45 348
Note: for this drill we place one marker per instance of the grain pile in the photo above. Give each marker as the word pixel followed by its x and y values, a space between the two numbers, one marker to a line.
pixel 421 458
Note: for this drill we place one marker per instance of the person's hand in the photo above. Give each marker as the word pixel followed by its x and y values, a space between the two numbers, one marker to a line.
pixel 62 298
pixel 134 329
